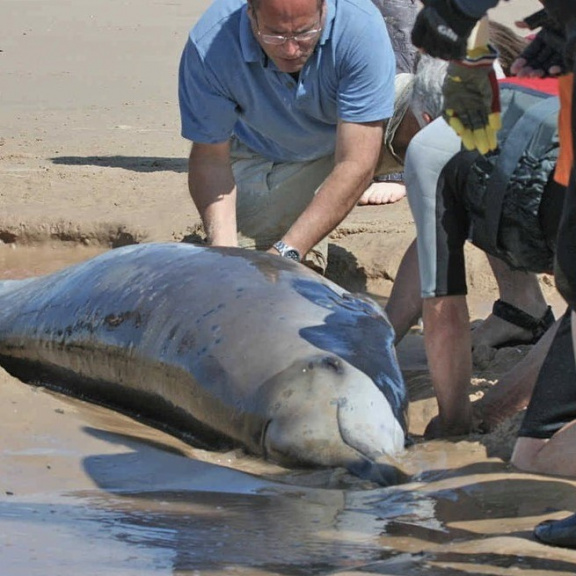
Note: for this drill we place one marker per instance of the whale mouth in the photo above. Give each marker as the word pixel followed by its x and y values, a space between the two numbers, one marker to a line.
pixel 378 468
pixel 323 412
pixel 346 453
pixel 380 471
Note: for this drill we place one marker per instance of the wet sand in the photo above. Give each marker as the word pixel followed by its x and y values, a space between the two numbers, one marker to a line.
pixel 91 158
pixel 91 491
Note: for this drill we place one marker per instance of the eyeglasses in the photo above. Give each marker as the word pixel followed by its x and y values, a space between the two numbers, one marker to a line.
pixel 278 40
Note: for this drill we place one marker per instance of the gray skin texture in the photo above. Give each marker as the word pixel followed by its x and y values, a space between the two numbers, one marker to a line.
pixel 222 346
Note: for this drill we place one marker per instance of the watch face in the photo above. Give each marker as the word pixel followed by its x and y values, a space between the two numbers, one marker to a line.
pixel 292 254
pixel 287 251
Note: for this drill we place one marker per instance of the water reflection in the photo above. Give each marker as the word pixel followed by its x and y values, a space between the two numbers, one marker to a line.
pixel 214 517
pixel 291 533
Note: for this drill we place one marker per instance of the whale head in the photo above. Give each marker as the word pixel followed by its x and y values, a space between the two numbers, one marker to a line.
pixel 322 411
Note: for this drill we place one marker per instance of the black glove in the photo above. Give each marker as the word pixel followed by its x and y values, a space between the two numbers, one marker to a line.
pixel 546 52
pixel 563 13
pixel 535 20
pixel 544 56
pixel 441 30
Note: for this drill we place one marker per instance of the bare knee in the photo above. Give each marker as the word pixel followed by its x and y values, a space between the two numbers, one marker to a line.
pixel 526 452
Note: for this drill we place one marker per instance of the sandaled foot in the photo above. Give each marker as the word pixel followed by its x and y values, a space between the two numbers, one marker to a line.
pixel 382 193
pixel 557 532
pixel 510 326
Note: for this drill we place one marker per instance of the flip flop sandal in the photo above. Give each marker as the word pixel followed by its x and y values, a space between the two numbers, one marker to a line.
pixel 537 327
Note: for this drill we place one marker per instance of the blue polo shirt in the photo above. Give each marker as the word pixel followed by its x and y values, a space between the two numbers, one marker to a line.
pixel 228 86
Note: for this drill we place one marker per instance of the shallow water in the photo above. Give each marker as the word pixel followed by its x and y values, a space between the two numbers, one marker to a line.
pixel 84 490
pixel 25 261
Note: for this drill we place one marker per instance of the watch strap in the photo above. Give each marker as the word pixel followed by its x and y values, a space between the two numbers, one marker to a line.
pixel 287 251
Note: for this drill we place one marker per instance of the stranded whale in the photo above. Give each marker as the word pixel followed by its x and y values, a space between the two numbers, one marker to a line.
pixel 224 346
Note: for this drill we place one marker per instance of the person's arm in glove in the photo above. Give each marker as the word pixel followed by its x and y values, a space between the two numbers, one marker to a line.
pixel 563 13
pixel 442 28
pixel 472 99
pixel 544 56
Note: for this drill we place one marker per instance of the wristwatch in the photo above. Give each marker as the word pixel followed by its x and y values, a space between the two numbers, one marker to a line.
pixel 287 251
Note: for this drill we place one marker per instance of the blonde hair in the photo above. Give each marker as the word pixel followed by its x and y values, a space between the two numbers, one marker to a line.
pixel 507 42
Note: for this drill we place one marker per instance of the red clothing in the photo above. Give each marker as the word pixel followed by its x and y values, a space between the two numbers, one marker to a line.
pixel 546 85
pixel 566 158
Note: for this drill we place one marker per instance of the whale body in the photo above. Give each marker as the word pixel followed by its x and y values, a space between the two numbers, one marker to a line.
pixel 222 346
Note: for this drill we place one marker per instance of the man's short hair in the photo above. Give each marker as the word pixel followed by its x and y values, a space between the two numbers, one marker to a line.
pixel 255 4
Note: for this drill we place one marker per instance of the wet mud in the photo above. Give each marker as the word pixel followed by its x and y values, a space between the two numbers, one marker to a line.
pixel 85 490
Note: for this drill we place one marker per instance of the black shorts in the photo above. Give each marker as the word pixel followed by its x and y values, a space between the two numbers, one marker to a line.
pixel 456 218
pixel 565 265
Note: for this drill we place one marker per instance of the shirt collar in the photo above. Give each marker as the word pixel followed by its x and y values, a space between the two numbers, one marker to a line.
pixel 328 22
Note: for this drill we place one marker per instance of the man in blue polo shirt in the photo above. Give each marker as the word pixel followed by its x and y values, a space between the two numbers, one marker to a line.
pixel 285 102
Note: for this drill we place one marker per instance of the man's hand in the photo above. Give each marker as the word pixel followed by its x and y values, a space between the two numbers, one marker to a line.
pixel 544 56
pixel 441 30
pixel 472 99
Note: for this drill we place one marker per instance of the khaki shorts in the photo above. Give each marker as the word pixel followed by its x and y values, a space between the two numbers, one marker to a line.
pixel 272 195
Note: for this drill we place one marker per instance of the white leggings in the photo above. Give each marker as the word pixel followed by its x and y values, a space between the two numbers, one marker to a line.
pixel 429 151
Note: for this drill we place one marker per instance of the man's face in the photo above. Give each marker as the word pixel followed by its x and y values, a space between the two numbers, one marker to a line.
pixel 287 31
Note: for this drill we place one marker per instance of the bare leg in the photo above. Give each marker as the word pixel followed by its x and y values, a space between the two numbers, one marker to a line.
pixel 522 290
pixel 404 306
pixel 447 341
pixel 554 532
pixel 552 404
pixel 554 456
pixel 514 389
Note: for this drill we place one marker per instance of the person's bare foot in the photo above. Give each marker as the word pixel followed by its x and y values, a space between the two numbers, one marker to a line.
pixel 382 193
pixel 488 416
pixel 437 428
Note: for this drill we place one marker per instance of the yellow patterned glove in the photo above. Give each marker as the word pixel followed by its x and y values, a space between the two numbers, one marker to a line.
pixel 472 99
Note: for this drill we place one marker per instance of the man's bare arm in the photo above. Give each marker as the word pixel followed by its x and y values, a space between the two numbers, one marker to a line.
pixel 212 187
pixel 357 151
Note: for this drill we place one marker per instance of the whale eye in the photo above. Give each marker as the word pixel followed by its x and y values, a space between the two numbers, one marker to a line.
pixel 334 363
pixel 327 363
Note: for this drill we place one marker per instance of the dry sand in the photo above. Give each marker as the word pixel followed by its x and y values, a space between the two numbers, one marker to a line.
pixel 91 158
